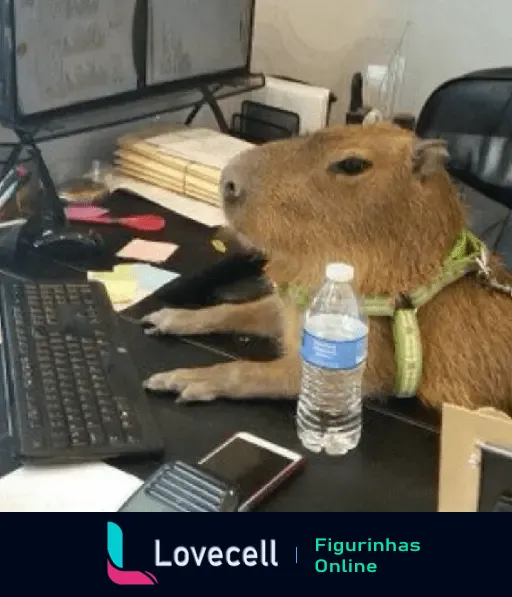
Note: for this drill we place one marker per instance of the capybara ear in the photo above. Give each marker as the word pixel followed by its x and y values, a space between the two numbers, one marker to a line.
pixel 428 157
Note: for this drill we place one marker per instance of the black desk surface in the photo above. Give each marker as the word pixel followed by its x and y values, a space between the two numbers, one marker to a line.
pixel 395 467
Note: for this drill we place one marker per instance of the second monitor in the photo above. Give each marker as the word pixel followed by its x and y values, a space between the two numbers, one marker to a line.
pixel 57 55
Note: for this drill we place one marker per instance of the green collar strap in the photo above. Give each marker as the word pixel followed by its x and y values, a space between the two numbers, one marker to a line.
pixel 403 309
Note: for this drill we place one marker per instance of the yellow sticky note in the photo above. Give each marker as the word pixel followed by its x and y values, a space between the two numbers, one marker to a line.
pixel 121 283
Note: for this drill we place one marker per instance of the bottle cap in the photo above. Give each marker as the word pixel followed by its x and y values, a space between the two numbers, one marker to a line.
pixel 339 272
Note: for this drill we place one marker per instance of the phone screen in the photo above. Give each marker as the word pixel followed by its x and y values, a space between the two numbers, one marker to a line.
pixel 247 465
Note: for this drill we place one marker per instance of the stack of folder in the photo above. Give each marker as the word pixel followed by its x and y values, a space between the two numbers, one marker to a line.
pixel 183 159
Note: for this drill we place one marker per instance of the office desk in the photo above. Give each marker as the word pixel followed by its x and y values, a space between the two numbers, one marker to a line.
pixel 393 469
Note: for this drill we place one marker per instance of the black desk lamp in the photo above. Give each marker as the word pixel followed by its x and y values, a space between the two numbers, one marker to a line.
pixel 48 231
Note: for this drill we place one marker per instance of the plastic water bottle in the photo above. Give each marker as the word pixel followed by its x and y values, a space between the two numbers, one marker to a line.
pixel 334 352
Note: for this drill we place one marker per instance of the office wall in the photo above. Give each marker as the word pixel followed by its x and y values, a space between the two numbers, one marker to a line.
pixel 325 41
pixel 452 37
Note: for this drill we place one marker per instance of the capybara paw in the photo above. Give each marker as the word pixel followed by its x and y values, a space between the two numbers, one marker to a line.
pixel 166 321
pixel 191 385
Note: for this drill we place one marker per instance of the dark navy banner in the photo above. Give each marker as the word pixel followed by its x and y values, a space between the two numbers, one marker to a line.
pixel 407 553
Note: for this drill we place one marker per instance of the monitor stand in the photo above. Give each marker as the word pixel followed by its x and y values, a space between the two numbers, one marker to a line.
pixel 48 232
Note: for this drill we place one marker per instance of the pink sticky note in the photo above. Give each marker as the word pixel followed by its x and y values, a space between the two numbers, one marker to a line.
pixel 84 211
pixel 145 250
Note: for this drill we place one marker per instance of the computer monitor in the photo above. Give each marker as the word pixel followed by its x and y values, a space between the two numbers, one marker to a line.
pixel 59 56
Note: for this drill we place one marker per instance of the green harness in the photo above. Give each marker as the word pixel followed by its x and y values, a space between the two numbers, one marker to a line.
pixel 462 260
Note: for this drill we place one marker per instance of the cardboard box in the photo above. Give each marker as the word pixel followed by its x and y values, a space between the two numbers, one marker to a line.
pixel 467 439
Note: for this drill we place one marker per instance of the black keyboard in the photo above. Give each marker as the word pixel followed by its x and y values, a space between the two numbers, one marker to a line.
pixel 74 391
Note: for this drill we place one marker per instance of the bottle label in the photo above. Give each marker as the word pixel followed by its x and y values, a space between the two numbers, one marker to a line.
pixel 329 354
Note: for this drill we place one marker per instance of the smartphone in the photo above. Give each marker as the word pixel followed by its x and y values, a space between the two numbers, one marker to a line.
pixel 255 466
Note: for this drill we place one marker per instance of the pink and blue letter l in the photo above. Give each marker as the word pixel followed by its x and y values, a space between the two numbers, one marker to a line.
pixel 115 561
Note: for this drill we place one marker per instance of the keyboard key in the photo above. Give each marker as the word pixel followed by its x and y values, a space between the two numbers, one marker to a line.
pixel 37 438
pixel 96 438
pixel 59 439
pixel 92 417
pixel 79 438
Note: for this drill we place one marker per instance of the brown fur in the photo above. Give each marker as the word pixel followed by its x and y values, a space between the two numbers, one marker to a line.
pixel 396 222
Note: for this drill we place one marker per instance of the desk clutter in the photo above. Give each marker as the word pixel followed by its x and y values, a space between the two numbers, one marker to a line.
pixel 261 123
pixel 283 107
pixel 98 215
pixel 129 283
pixel 182 159
pixel 88 189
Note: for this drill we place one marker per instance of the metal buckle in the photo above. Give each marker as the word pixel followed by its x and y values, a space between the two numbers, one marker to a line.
pixel 485 274
pixel 483 264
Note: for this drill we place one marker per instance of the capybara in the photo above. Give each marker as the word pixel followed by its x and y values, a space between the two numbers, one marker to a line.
pixel 381 199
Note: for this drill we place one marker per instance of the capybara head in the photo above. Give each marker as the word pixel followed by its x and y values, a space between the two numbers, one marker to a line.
pixel 375 196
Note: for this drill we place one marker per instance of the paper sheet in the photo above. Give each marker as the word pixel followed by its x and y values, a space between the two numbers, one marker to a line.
pixel 149 278
pixel 145 250
pixel 88 487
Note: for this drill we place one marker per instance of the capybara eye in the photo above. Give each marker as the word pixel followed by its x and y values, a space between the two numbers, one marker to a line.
pixel 350 166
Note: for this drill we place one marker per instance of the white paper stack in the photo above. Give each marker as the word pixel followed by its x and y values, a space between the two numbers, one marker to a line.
pixel 181 159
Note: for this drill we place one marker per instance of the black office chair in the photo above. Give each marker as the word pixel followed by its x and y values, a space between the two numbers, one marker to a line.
pixel 473 113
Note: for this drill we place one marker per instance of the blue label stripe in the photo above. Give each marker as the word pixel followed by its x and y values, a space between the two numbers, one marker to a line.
pixel 327 341
pixel 331 354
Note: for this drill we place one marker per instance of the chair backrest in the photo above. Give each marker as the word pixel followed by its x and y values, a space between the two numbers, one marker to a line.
pixel 473 113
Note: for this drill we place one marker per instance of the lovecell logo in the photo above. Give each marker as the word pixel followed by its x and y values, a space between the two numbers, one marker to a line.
pixel 115 570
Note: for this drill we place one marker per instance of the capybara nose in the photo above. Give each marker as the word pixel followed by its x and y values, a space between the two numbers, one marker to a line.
pixel 235 176
pixel 232 190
